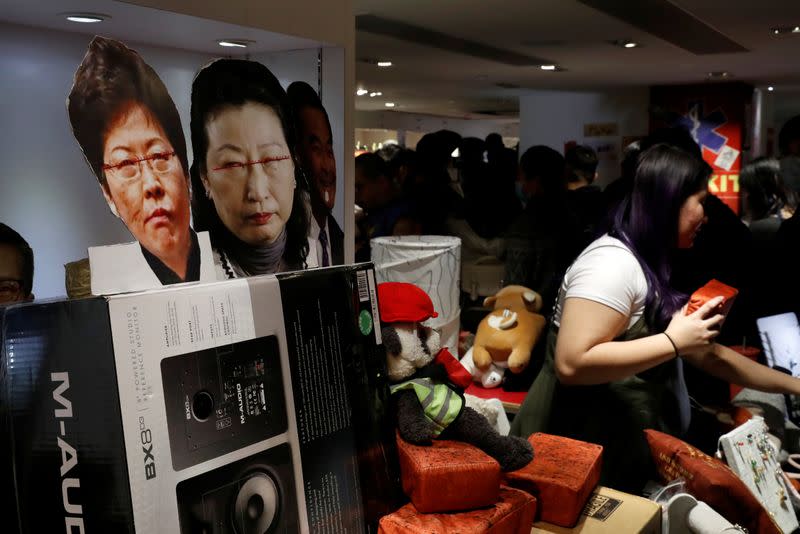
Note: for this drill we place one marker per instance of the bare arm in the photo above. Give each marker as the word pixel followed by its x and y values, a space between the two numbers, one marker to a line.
pixel 730 366
pixel 586 353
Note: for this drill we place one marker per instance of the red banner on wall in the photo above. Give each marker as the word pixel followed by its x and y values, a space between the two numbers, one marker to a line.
pixel 716 116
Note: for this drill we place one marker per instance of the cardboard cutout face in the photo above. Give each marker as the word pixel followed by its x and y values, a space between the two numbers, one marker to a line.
pixel 249 172
pixel 315 152
pixel 130 132
pixel 246 192
pixel 314 148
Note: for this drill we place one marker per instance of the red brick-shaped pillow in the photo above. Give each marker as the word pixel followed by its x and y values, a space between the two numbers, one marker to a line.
pixel 513 513
pixel 447 476
pixel 562 476
pixel 710 480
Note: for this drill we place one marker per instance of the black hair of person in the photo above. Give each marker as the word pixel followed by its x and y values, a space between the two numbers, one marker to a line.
pixel 766 195
pixel 582 162
pixel 9 236
pixel 111 80
pixel 790 132
pixel 302 95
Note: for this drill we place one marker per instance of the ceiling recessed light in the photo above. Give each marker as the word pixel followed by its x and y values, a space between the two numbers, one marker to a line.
pixel 85 18
pixel 389 104
pixel 361 92
pixel 785 29
pixel 233 43
pixel 770 88
pixel 630 44
pixel 547 67
pixel 719 74
pixel 375 93
pixel 384 63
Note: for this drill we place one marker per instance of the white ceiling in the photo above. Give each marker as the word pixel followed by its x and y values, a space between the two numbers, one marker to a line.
pixel 136 24
pixel 429 80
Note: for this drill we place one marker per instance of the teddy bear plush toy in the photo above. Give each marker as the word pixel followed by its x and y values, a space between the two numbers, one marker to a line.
pixel 507 335
pixel 427 403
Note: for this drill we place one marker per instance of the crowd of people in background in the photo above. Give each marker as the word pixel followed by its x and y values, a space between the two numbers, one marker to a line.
pixel 537 210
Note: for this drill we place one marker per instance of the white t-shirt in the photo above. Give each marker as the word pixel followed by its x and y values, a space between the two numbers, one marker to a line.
pixel 606 272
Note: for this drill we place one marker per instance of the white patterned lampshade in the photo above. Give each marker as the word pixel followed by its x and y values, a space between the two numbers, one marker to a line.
pixel 432 263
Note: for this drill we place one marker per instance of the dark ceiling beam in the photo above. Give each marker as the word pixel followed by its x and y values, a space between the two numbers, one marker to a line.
pixel 425 37
pixel 670 23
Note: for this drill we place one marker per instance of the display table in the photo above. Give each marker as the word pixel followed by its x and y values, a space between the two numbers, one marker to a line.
pixel 511 399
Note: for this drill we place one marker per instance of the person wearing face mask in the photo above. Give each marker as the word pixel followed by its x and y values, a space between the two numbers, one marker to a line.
pixel 545 237
pixel 247 191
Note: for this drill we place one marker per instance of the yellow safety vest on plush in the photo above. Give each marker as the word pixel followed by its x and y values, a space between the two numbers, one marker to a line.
pixel 439 402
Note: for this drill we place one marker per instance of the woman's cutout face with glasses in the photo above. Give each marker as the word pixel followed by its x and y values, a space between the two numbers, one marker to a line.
pixel 146 185
pixel 249 172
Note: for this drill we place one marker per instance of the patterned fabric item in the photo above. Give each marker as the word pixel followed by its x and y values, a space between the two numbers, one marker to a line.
pixel 440 403
pixel 562 476
pixel 447 476
pixel 513 513
pixel 709 480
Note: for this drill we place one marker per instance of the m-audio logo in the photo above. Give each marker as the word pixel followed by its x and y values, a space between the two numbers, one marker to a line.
pixel 69 456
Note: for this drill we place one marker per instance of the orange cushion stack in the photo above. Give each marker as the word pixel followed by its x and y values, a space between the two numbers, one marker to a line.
pixel 562 476
pixel 512 513
pixel 448 476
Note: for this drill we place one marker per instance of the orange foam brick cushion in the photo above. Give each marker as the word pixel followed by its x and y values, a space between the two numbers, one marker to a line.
pixel 447 476
pixel 513 513
pixel 562 476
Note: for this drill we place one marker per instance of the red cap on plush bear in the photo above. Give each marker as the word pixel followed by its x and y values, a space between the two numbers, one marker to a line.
pixel 401 302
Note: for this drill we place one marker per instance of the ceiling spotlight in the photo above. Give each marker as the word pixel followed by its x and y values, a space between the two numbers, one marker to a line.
pixel 374 94
pixel 85 18
pixel 770 88
pixel 361 92
pixel 389 104
pixel 547 67
pixel 233 43
pixel 630 44
pixel 384 63
pixel 785 29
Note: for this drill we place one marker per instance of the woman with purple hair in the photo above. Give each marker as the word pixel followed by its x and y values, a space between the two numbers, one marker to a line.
pixel 620 335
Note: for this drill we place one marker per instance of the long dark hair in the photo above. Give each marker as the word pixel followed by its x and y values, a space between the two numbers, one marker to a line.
pixel 109 81
pixel 232 83
pixel 766 193
pixel 647 221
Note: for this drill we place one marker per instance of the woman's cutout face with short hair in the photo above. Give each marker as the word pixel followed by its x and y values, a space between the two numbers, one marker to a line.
pixel 146 185
pixel 249 172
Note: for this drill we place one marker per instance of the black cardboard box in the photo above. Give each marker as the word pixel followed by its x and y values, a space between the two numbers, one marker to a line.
pixel 255 405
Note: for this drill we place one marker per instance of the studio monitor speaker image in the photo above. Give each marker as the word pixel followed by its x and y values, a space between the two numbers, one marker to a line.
pixel 222 399
pixel 255 495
